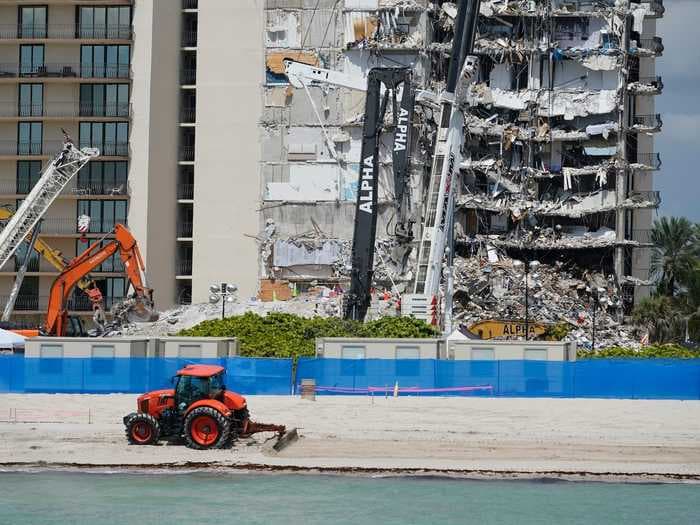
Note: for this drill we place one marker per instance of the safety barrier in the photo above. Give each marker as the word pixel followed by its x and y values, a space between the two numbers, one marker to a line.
pixel 642 379
pixel 604 378
pixel 135 375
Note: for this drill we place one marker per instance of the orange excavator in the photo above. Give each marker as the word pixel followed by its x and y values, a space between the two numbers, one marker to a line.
pixel 137 307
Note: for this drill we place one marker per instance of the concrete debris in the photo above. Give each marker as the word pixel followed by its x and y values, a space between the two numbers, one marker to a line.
pixel 556 294
pixel 556 238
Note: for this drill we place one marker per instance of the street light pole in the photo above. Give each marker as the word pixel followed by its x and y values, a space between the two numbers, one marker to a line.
pixel 527 306
pixel 595 304
pixel 225 292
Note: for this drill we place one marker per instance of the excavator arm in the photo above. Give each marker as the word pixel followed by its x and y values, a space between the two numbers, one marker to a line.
pixel 141 306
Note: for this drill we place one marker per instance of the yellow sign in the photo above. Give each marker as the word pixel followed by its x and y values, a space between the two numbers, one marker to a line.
pixel 507 329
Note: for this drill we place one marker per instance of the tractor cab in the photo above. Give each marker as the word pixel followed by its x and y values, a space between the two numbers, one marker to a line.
pixel 197 382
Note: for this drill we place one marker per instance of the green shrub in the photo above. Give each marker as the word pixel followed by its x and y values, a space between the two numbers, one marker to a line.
pixel 288 335
pixel 557 332
pixel 667 351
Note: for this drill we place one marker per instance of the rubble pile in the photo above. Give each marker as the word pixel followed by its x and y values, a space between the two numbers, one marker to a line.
pixel 492 287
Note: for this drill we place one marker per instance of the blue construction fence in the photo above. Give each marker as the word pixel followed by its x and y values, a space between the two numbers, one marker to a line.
pixel 604 378
pixel 135 375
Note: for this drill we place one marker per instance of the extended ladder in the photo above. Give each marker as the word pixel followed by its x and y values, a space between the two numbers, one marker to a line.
pixel 55 177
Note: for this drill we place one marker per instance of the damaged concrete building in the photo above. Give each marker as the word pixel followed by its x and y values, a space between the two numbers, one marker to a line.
pixel 558 156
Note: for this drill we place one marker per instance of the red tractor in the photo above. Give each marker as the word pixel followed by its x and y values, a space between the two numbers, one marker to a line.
pixel 199 409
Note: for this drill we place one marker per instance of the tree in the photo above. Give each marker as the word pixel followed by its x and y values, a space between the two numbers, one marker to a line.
pixel 662 318
pixel 674 252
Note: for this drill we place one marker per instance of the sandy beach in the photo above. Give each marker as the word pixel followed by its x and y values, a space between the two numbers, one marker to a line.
pixel 564 438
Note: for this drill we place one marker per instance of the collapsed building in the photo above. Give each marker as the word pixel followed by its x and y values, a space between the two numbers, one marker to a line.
pixel 558 155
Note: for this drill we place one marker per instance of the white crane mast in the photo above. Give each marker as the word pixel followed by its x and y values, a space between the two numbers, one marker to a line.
pixel 56 175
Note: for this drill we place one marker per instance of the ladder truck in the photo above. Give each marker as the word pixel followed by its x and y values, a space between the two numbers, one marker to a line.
pixel 383 86
pixel 438 217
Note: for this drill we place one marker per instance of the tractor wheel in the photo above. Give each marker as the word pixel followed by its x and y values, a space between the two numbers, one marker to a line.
pixel 206 427
pixel 142 429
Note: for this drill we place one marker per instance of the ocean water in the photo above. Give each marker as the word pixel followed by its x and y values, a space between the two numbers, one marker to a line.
pixel 223 499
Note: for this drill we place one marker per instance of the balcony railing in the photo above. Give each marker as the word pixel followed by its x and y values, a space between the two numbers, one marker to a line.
pixel 653 197
pixel 110 149
pixel 81 189
pixel 31 148
pixel 76 303
pixel 654 83
pixel 189 4
pixel 647 121
pixel 63 70
pixel 65 31
pixel 184 229
pixel 655 45
pixel 188 76
pixel 189 38
pixel 187 153
pixel 650 161
pixel 184 267
pixel 188 115
pixel 185 191
pixel 64 109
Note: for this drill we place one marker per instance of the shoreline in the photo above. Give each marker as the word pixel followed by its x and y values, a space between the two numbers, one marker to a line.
pixel 362 472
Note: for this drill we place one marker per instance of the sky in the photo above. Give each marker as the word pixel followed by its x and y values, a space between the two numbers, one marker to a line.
pixel 679 105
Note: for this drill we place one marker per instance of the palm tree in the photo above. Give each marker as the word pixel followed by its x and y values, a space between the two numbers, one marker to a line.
pixel 674 253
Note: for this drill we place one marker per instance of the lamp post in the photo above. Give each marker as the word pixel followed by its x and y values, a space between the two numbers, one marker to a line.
pixel 224 293
pixel 525 269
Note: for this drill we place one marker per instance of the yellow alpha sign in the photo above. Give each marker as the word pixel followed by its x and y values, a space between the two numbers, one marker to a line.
pixel 491 329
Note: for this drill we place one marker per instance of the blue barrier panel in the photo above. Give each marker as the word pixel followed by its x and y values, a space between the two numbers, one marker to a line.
pixel 258 376
pixel 474 378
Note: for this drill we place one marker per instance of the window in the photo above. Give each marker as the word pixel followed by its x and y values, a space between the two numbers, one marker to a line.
pixel 104 100
pixel 535 354
pixel 29 138
pixel 103 178
pixel 113 264
pixel 189 351
pixel 113 289
pixel 104 22
pixel 482 354
pixel 31 100
pixel 104 61
pixel 48 350
pixel 21 253
pixel 28 174
pixel 190 389
pixel 103 351
pixel 111 138
pixel 31 59
pixel 104 215
pixel 32 22
pixel 352 352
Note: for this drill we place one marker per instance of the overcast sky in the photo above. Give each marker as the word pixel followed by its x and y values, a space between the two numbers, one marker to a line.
pixel 679 105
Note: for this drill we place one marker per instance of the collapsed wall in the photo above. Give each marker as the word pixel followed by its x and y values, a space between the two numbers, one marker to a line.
pixel 558 136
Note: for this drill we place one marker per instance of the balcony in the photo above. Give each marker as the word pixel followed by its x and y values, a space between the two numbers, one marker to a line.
pixel 186 153
pixel 189 4
pixel 184 230
pixel 65 32
pixel 653 45
pixel 65 71
pixel 76 303
pixel 647 123
pixel 184 267
pixel 188 115
pixel 30 149
pixel 67 110
pixel 185 191
pixel 188 76
pixel 646 161
pixel 110 149
pixel 641 236
pixel 74 189
pixel 646 86
pixel 189 39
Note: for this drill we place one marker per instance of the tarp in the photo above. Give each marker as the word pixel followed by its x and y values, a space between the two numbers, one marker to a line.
pixel 10 339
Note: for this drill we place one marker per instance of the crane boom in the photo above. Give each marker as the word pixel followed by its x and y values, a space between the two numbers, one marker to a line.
pixel 54 178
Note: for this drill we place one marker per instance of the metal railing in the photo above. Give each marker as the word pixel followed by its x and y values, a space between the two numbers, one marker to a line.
pixel 81 189
pixel 188 115
pixel 655 44
pixel 189 4
pixel 652 196
pixel 76 303
pixel 649 160
pixel 110 149
pixel 187 153
pixel 185 191
pixel 64 109
pixel 188 76
pixel 654 82
pixel 66 31
pixel 64 70
pixel 647 121
pixel 184 229
pixel 189 38
pixel 184 267
pixel 13 147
